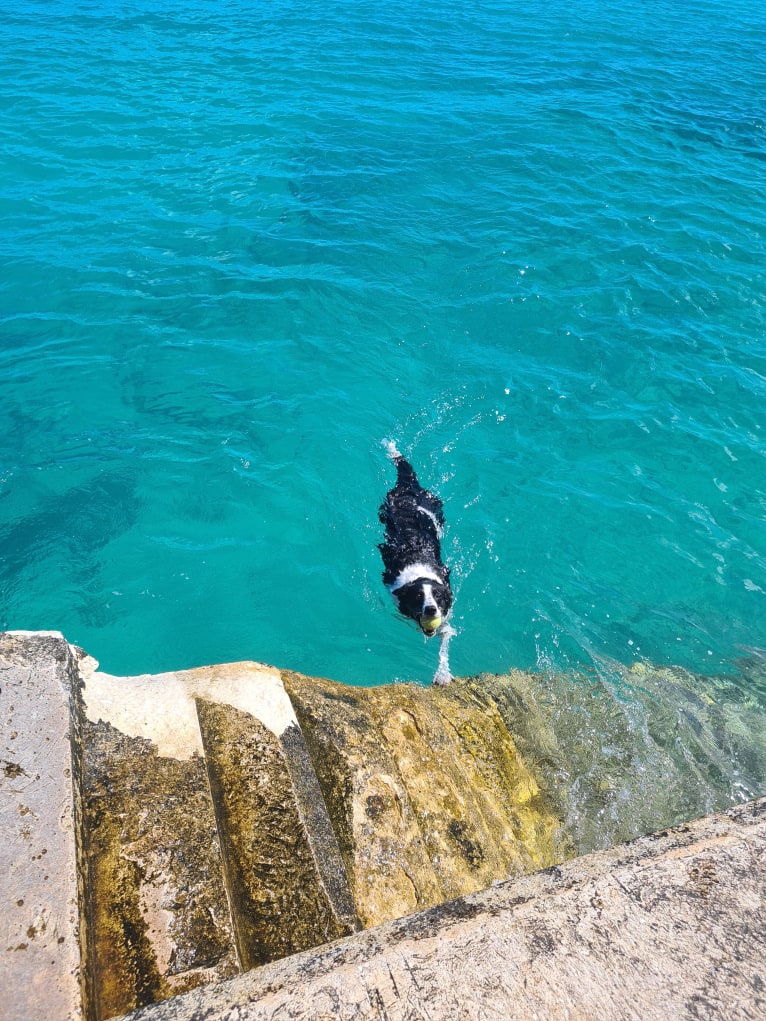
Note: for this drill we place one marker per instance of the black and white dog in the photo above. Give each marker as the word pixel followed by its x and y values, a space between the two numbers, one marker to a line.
pixel 414 573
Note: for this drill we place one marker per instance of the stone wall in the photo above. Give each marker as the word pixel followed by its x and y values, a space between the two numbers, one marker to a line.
pixel 221 818
pixel 212 842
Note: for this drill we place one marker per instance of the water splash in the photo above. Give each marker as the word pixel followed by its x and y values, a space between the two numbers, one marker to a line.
pixel 443 673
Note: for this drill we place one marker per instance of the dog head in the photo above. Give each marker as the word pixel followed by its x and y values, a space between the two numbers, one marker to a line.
pixel 426 602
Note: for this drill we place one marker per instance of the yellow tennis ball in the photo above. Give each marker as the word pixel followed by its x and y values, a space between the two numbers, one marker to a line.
pixel 431 625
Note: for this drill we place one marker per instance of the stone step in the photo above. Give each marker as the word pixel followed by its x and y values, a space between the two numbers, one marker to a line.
pixel 426 790
pixel 205 834
pixel 212 820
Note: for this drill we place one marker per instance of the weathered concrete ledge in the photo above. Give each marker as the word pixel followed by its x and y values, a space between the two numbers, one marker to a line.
pixel 41 879
pixel 668 927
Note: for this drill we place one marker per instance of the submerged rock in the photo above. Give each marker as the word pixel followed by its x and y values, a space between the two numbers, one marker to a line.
pixel 625 751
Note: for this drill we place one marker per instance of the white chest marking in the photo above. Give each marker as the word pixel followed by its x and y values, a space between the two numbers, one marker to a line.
pixel 413 573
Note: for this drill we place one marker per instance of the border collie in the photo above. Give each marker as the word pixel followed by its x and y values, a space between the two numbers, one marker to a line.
pixel 414 573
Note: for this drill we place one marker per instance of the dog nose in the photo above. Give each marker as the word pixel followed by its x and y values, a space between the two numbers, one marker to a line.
pixel 429 611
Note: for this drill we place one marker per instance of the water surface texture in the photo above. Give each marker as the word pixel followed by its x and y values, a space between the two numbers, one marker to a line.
pixel 242 243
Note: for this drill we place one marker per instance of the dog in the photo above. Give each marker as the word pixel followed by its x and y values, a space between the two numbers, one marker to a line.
pixel 414 573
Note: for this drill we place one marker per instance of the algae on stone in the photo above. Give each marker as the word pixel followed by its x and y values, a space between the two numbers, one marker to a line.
pixel 159 918
pixel 279 904
pixel 427 791
pixel 387 862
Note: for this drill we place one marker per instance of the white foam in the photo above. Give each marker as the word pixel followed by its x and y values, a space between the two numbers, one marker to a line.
pixel 391 449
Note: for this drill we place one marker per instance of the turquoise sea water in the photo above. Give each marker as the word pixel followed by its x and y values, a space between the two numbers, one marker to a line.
pixel 242 243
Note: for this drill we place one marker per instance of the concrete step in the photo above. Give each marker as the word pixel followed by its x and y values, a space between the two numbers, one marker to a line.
pixel 172 830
